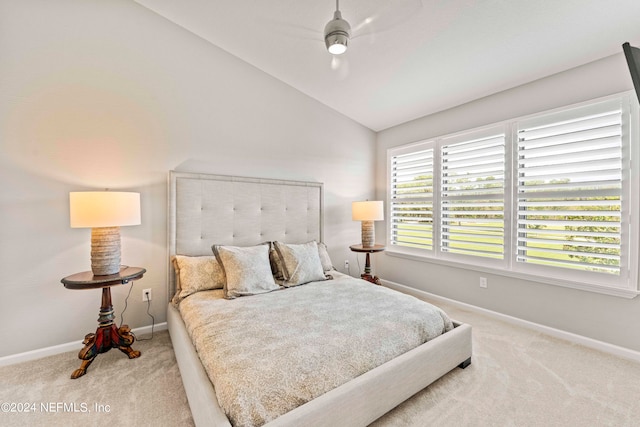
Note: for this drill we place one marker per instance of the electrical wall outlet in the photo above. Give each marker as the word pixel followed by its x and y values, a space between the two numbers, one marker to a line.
pixel 146 295
pixel 346 264
pixel 483 282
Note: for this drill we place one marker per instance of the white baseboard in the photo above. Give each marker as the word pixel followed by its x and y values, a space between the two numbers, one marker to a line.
pixel 558 333
pixel 63 348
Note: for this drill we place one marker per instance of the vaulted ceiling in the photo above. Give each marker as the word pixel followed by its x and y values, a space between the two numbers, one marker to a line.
pixel 410 58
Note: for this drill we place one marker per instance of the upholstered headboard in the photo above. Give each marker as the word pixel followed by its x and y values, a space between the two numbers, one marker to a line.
pixel 228 210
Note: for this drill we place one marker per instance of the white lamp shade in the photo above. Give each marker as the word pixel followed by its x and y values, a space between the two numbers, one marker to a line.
pixel 367 210
pixel 92 209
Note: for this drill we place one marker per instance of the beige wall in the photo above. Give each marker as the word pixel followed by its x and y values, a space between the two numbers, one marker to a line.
pixel 604 318
pixel 105 94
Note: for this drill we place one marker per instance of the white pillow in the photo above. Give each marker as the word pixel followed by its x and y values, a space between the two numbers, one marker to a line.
pixel 195 274
pixel 300 263
pixel 246 269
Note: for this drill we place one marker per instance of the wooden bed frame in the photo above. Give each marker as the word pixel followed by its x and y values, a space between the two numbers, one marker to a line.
pixel 206 209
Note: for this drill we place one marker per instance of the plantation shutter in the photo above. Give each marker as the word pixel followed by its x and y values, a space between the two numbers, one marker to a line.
pixel 472 196
pixel 569 189
pixel 411 194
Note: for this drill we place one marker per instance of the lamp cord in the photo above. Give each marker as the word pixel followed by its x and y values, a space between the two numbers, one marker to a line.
pixel 153 319
pixel 153 323
pixel 125 304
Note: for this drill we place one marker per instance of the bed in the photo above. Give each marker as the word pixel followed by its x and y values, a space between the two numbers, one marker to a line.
pixel 238 212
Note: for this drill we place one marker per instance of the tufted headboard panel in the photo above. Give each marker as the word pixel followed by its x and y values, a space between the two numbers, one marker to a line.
pixel 227 210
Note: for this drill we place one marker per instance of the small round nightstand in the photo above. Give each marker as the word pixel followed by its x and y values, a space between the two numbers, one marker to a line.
pixel 367 265
pixel 108 335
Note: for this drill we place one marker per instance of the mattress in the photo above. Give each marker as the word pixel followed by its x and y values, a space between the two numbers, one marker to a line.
pixel 268 354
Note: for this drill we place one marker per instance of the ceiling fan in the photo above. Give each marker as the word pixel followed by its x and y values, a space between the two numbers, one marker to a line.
pixel 338 32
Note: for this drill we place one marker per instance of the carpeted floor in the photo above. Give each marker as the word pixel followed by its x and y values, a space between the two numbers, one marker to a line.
pixel 116 391
pixel 518 378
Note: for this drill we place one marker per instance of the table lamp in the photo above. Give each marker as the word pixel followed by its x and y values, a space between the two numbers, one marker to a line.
pixel 368 212
pixel 104 212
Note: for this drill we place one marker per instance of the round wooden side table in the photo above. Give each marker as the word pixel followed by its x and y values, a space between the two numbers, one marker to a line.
pixel 108 335
pixel 367 265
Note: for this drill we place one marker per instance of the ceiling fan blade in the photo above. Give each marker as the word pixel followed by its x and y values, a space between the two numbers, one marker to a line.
pixel 340 66
pixel 391 15
pixel 298 31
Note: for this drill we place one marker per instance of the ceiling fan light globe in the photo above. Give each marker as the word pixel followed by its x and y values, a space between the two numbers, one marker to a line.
pixel 338 47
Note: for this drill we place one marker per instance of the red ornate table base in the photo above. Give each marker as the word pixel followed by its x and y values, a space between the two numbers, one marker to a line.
pixel 367 265
pixel 107 336
pixel 367 272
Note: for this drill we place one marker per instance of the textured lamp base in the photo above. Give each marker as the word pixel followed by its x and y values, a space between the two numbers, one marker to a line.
pixel 105 250
pixel 368 234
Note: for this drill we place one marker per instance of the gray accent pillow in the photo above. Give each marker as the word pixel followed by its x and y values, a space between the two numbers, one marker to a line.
pixel 300 263
pixel 325 260
pixel 246 269
pixel 278 269
pixel 195 274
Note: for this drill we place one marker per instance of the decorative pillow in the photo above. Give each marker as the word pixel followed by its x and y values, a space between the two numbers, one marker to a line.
pixel 195 274
pixel 300 263
pixel 277 269
pixel 325 260
pixel 246 269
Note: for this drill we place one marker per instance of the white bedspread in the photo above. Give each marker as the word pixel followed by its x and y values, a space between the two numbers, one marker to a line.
pixel 267 354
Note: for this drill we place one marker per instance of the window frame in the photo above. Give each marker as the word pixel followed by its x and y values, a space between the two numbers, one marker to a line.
pixel 626 285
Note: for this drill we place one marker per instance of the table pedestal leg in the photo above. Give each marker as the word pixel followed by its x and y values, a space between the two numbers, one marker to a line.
pixel 106 337
pixel 367 272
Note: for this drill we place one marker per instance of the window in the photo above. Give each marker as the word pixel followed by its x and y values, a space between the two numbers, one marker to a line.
pixel 550 197
pixel 411 203
pixel 570 189
pixel 472 176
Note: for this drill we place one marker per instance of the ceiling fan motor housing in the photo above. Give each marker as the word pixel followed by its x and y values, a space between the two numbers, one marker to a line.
pixel 337 32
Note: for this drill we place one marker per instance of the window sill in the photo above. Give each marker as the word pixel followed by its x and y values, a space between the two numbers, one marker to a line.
pixel 600 289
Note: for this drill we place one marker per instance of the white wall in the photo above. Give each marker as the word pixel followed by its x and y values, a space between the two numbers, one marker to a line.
pixel 97 94
pixel 105 94
pixel 605 318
